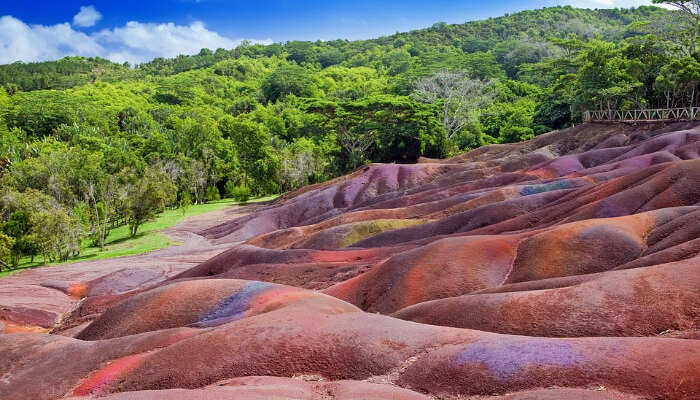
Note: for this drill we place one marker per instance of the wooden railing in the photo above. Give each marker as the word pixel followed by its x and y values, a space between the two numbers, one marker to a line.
pixel 656 114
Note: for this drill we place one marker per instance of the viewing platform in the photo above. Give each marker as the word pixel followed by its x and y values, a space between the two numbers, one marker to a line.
pixel 648 115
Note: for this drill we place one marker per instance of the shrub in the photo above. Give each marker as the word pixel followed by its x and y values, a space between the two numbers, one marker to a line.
pixel 213 193
pixel 185 202
pixel 6 244
pixel 229 187
pixel 241 193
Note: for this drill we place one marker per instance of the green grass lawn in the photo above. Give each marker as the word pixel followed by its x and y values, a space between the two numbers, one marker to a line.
pixel 150 236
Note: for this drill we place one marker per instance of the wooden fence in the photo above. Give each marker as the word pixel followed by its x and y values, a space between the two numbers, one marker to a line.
pixel 657 114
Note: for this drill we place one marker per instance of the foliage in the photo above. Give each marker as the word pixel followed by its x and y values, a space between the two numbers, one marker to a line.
pixel 459 98
pixel 678 81
pixel 6 245
pixel 689 10
pixel 286 80
pixel 147 196
pixel 213 194
pixel 252 143
pixel 57 232
pixel 62 74
pixel 19 228
pixel 240 193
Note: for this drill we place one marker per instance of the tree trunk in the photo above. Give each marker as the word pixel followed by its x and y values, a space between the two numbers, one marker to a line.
pixel 245 177
pixel 692 97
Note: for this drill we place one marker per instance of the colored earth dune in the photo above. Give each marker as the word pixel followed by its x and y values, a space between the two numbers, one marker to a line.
pixel 564 267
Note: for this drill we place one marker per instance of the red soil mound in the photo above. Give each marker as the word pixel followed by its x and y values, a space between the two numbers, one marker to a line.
pixel 633 302
pixel 205 304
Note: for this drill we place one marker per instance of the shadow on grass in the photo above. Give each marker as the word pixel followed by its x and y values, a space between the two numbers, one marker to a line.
pixel 81 257
pixel 21 267
pixel 119 240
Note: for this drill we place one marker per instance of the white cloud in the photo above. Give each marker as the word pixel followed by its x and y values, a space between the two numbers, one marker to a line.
pixel 138 41
pixel 135 42
pixel 87 17
pixel 19 41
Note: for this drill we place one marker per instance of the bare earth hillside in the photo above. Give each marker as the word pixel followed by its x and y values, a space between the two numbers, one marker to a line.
pixel 564 267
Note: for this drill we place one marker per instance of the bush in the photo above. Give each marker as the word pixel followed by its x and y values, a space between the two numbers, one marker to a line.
pixel 6 244
pixel 185 202
pixel 514 134
pixel 212 193
pixel 540 129
pixel 229 187
pixel 241 193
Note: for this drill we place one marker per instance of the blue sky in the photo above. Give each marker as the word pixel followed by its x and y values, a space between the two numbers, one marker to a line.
pixel 137 31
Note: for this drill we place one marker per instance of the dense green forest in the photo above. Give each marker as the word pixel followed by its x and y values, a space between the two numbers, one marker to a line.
pixel 87 145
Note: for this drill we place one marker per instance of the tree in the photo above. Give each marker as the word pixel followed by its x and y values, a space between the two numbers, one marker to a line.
pixel 40 112
pixel 606 78
pixel 678 81
pixel 508 122
pixel 302 163
pixel 301 52
pixel 252 143
pixel 670 27
pixel 185 203
pixel 148 196
pixel 330 56
pixel 199 180
pixel 459 98
pixel 287 79
pixel 57 232
pixel 382 128
pixel 19 228
pixel 407 129
pixel 102 196
pixel 690 11
pixel 355 135
pixel 6 245
pixel 511 54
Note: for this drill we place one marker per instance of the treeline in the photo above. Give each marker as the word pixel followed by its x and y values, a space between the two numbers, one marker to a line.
pixel 108 145
pixel 62 74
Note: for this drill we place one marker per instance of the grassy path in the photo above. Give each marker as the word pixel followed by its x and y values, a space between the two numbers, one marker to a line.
pixel 150 236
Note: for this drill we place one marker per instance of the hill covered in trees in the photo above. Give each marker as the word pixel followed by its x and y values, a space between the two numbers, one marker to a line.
pixel 86 144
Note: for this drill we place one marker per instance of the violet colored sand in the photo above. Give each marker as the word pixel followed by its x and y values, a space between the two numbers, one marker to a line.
pixel 564 267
